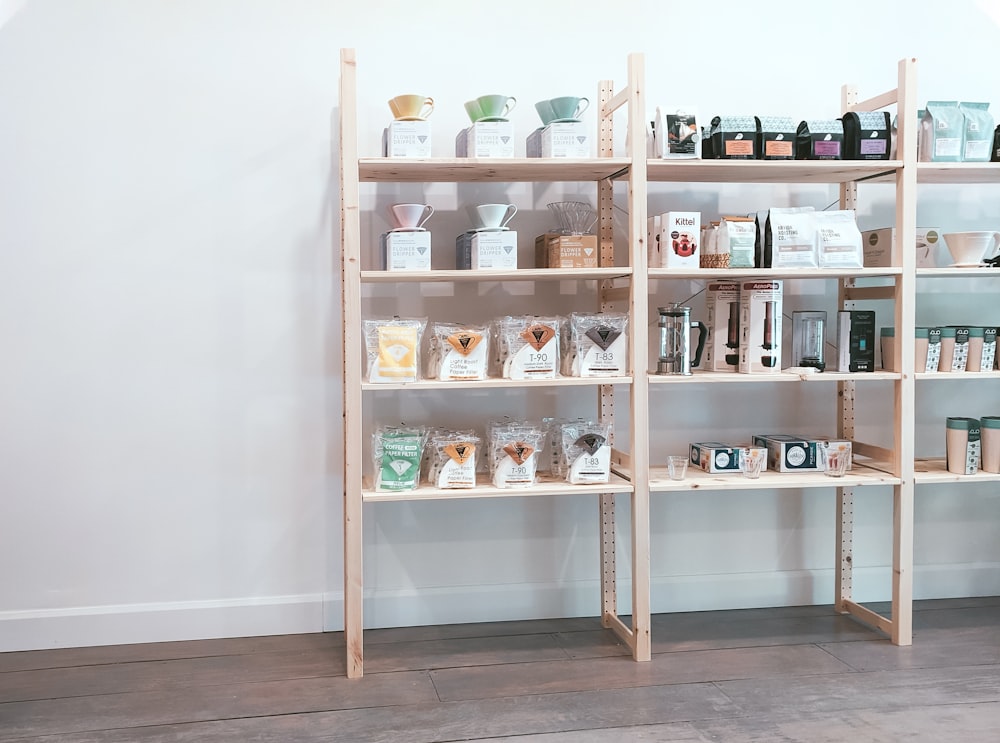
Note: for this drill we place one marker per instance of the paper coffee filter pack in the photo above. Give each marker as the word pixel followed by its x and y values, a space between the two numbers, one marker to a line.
pixel 529 346
pixel 459 352
pixel 598 345
pixel 397 453
pixel 453 458
pixel 586 449
pixel 514 451
pixel 393 348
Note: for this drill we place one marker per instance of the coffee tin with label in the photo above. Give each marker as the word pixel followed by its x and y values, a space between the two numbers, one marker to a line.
pixel 962 445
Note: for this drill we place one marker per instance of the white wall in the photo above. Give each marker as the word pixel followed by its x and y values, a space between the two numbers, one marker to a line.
pixel 169 391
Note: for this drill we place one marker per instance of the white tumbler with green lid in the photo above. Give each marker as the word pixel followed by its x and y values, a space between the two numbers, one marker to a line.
pixel 990 431
pixel 962 445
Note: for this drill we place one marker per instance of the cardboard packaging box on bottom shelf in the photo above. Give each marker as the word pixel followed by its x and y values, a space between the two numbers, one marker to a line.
pixel 486 139
pixel 556 250
pixel 792 453
pixel 486 250
pixel 407 139
pixel 715 457
pixel 406 251
pixel 760 327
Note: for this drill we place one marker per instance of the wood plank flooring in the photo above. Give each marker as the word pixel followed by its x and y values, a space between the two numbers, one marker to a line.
pixel 785 674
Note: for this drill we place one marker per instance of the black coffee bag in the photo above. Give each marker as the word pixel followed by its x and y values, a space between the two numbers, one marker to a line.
pixel 775 137
pixel 820 139
pixel 867 135
pixel 734 137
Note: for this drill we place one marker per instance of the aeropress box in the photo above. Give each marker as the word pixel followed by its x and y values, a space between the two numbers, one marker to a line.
pixel 760 327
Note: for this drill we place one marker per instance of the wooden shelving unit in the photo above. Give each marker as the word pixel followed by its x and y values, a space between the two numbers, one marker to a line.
pixel 615 286
pixel 631 288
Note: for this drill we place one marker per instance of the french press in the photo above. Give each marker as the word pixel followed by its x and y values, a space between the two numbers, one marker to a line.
pixel 675 340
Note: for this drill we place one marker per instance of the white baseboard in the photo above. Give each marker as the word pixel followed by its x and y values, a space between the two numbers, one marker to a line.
pixel 271 615
pixel 159 622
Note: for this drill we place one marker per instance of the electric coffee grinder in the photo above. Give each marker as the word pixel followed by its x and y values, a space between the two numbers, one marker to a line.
pixel 675 340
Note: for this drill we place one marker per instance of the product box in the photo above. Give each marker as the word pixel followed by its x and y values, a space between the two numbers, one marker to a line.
pixel 879 245
pixel 676 134
pixel 760 327
pixel 408 250
pixel 407 139
pixel 790 453
pixel 715 458
pixel 680 234
pixel 493 250
pixel 856 340
pixel 486 139
pixel 722 302
pixel 556 250
pixel 654 255
pixel 566 139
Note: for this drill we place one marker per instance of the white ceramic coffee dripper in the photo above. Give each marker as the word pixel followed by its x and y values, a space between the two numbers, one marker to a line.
pixel 495 216
pixel 970 248
pixel 411 216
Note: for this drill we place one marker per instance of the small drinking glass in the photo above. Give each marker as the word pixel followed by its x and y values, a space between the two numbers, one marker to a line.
pixel 677 467
pixel 837 460
pixel 752 461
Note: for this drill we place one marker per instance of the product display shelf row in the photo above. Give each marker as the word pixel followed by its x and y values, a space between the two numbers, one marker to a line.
pixel 472 170
pixel 697 479
pixel 545 485
pixel 608 273
pixel 770 171
pixel 934 470
pixel 723 377
pixel 493 383
pixel 735 274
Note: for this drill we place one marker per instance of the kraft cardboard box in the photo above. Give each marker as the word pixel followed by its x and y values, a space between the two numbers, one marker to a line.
pixel 760 327
pixel 407 139
pixel 406 251
pixel 722 302
pixel 556 250
pixel 879 245
pixel 477 251
pixel 714 457
pixel 680 235
pixel 486 139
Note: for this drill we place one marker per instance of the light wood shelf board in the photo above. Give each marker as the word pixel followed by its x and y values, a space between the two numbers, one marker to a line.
pixel 734 274
pixel 467 170
pixel 941 376
pixel 494 382
pixel 697 479
pixel 958 173
pixel 708 377
pixel 769 171
pixel 521 274
pixel 930 471
pixel 954 272
pixel 546 485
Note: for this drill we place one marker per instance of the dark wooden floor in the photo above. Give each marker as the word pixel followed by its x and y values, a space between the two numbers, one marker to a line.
pixel 788 674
